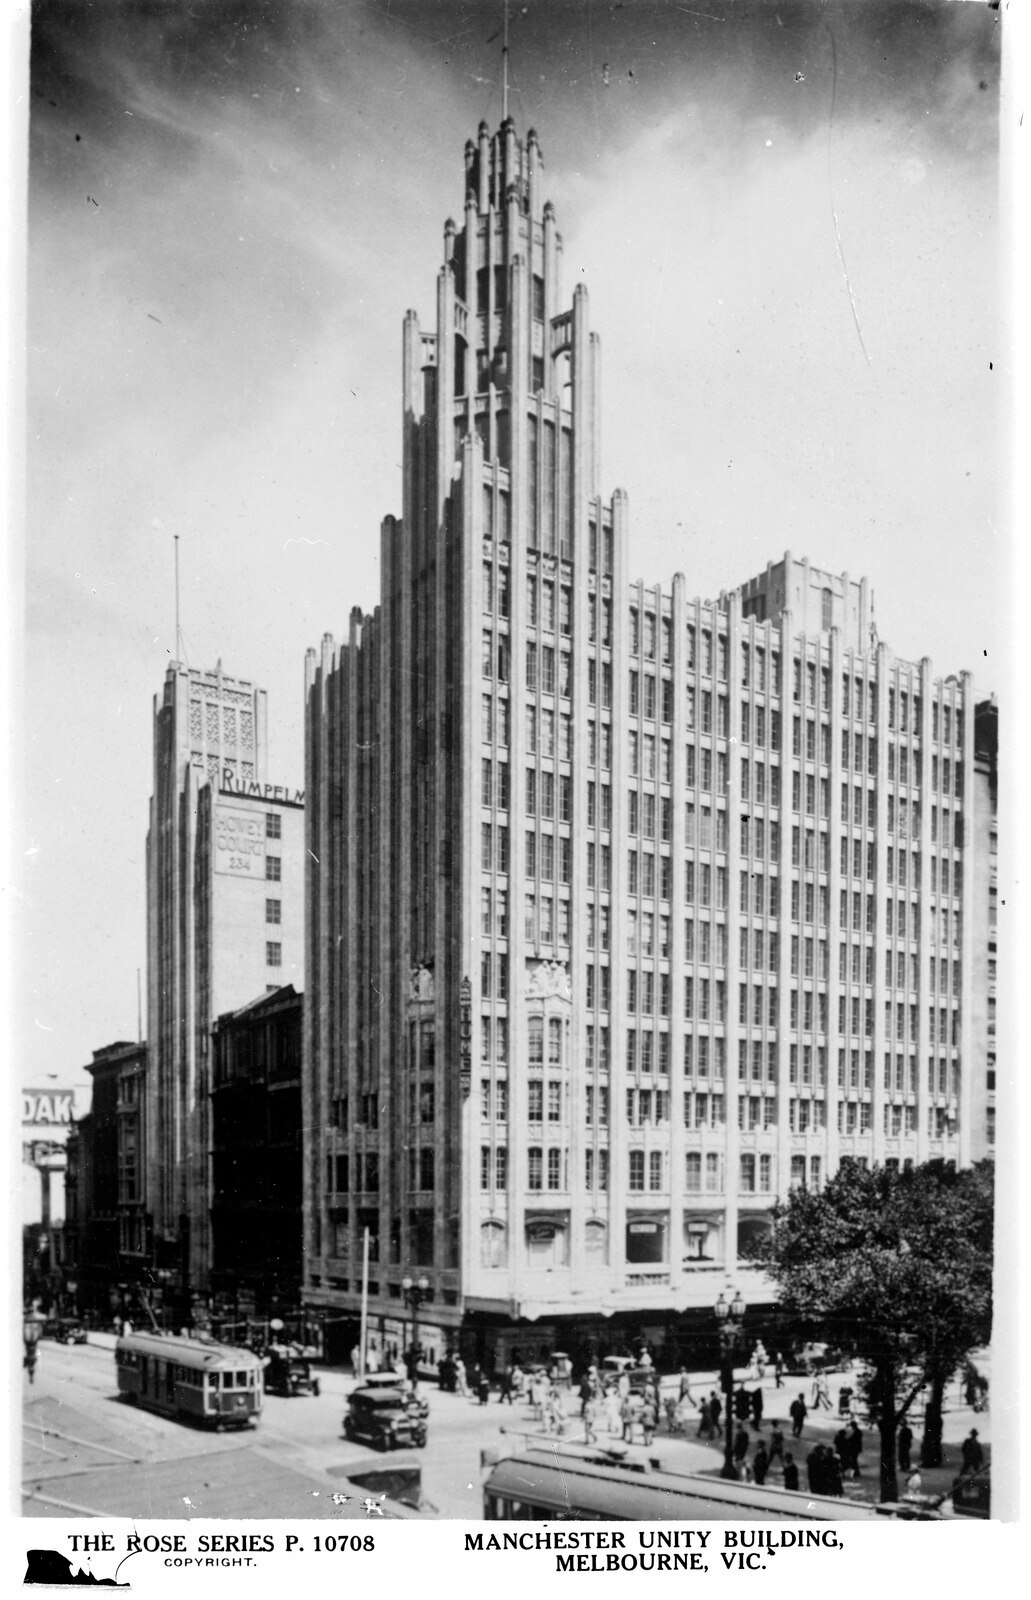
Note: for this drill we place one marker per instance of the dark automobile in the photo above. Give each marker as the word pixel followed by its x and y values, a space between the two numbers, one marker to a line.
pixel 972 1495
pixel 288 1371
pixel 384 1417
pixel 67 1330
pixel 816 1357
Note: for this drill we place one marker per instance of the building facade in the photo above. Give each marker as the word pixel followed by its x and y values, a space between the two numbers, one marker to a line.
pixel 626 910
pixel 256 1157
pixel 105 1249
pixel 224 922
pixel 985 914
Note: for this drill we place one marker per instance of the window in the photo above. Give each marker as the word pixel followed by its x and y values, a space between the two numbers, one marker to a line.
pixel 637 1170
pixel 273 868
pixel 273 910
pixel 274 955
pixel 273 825
pixel 535 1167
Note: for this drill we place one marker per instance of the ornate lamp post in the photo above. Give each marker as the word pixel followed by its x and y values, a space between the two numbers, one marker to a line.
pixel 729 1320
pixel 32 1327
pixel 415 1294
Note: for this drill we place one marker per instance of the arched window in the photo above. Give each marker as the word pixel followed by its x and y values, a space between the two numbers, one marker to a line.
pixel 493 1244
pixel 596 1244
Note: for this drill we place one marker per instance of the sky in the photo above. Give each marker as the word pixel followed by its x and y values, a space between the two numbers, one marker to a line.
pixel 788 221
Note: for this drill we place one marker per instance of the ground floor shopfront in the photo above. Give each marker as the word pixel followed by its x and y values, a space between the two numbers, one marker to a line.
pixel 492 1342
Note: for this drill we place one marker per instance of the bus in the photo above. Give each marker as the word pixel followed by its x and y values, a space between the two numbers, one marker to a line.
pixel 547 1485
pixel 217 1384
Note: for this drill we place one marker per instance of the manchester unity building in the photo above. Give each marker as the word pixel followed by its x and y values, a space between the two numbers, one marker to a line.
pixel 626 911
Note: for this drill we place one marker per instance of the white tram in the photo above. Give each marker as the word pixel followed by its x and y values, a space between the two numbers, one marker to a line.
pixel 217 1384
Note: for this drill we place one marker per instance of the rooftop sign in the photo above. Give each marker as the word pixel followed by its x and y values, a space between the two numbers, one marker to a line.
pixel 270 793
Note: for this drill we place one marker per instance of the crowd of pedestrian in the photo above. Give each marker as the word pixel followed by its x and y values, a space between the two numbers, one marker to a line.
pixel 635 1408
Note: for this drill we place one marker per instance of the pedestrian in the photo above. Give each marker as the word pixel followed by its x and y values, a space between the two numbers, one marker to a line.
pixel 798 1411
pixel 585 1392
pixel 590 1416
pixel 973 1455
pixel 821 1393
pixel 914 1483
pixel 760 1463
pixel 740 1444
pixel 742 1404
pixel 815 1470
pixel 905 1443
pixel 855 1446
pixel 461 1386
pixel 778 1369
pixel 790 1472
pixel 648 1417
pixel 685 1386
pixel 777 1444
pixel 483 1387
pixel 757 1408
pixel 842 1448
pixel 832 1474
pixel 704 1420
pixel 356 1360
pixel 613 1408
pixel 845 1400
pixel 715 1408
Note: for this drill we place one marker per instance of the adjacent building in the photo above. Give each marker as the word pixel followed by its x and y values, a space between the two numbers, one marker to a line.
pixel 626 910
pixel 106 1260
pixel 256 1158
pixel 985 916
pixel 224 923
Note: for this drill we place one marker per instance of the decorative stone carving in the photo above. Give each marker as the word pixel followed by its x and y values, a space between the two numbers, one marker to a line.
pixel 547 979
pixel 420 985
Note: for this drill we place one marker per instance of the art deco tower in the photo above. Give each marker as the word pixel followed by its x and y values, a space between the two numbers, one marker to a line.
pixel 595 957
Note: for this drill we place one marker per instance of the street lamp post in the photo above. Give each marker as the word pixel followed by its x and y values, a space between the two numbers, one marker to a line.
pixel 415 1294
pixel 32 1327
pixel 729 1320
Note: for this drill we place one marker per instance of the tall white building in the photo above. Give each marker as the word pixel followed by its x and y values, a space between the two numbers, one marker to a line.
pixel 224 923
pixel 626 910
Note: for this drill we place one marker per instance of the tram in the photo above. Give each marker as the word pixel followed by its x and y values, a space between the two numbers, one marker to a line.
pixel 546 1485
pixel 217 1384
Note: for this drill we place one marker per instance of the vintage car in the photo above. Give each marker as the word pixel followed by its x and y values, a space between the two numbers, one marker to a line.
pixel 67 1330
pixel 391 1380
pixel 816 1357
pixel 385 1417
pixel 288 1371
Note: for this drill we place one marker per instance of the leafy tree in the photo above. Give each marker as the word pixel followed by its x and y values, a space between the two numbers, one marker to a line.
pixel 899 1265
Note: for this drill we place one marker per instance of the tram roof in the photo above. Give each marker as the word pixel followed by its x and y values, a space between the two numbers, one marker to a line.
pixel 614 1492
pixel 190 1352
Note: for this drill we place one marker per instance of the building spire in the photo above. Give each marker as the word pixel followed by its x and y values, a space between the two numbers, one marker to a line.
pixel 504 64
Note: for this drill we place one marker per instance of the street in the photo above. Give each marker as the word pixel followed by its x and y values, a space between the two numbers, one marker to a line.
pixel 86 1452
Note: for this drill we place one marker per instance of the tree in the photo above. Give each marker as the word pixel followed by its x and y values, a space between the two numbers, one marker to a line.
pixel 898 1263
